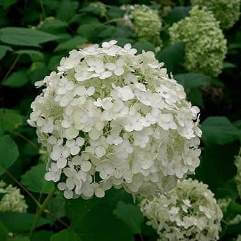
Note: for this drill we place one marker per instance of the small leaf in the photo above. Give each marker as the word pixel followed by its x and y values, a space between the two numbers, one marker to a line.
pixel 3 232
pixel 172 56
pixel 3 50
pixel 25 36
pixel 21 222
pixel 74 43
pixel 176 14
pixel 193 80
pixel 219 130
pixel 67 9
pixel 8 153
pixel 38 71
pixel 16 79
pixel 144 45
pixel 34 180
pixel 131 215
pixel 10 119
pixel 65 235
pixel 33 54
pixel 8 3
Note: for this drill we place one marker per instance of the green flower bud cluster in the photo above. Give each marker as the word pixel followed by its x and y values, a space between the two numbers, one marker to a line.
pixel 11 199
pixel 145 22
pixel 205 44
pixel 227 12
pixel 100 7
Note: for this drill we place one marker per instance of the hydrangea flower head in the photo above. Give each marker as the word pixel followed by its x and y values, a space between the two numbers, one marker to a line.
pixel 205 45
pixel 226 12
pixel 145 22
pixel 12 200
pixel 187 212
pixel 110 117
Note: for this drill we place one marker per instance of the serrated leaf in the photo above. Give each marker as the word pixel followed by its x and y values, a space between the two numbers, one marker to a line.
pixel 33 54
pixel 8 153
pixel 74 43
pixel 34 180
pixel 219 130
pixel 10 119
pixel 25 36
pixel 16 79
pixel 21 222
pixel 3 50
pixel 65 235
pixel 172 56
pixel 131 215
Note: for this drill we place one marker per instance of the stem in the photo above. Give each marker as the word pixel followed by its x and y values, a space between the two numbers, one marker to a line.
pixel 40 210
pixel 25 138
pixel 11 67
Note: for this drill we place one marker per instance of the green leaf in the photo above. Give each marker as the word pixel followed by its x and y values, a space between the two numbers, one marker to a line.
pixel 176 14
pixel 172 56
pixel 3 50
pixel 144 45
pixel 16 79
pixel 193 80
pixel 54 62
pixel 8 153
pixel 41 236
pixel 89 31
pixel 20 238
pixel 33 54
pixel 74 43
pixel 53 25
pixel 94 220
pixel 67 9
pixel 65 235
pixel 8 3
pixel 25 36
pixel 34 180
pixel 131 215
pixel 217 164
pixel 21 222
pixel 10 119
pixel 3 232
pixel 38 71
pixel 219 130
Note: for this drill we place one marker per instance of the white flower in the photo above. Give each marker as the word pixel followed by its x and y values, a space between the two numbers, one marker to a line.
pixel 12 200
pixel 188 212
pixel 109 118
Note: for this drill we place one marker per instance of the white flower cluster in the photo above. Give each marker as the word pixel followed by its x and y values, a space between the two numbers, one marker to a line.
pixel 109 117
pixel 238 238
pixel 12 200
pixel 188 212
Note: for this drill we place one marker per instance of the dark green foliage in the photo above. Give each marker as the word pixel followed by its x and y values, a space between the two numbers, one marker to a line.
pixel 34 36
